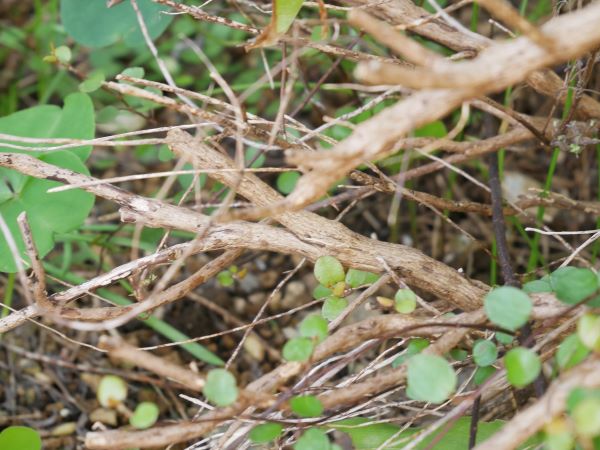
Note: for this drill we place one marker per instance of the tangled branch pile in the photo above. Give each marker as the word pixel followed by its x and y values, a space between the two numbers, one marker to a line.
pixel 424 67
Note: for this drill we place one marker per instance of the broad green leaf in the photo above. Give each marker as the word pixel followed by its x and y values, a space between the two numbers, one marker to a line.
pixel 369 437
pixel 414 347
pixel 74 120
pixel 135 72
pixel 314 326
pixel 144 416
pixel 266 432
pixel 328 271
pixel 298 349
pixel 571 352
pixel 484 353
pixel 48 213
pixel 306 406
pixel 579 394
pixel 286 181
pixel 573 284
pixel 92 24
pixel 333 307
pixel 21 438
pixel 588 330
pixel 508 307
pixel 356 278
pixel 522 366
pixel 313 439
pixel 430 378
pixel 112 391
pixel 284 13
pixel 220 387
pixel 405 301
pixel 458 354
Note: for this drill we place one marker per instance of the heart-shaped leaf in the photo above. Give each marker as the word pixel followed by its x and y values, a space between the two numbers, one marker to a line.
pixel 93 24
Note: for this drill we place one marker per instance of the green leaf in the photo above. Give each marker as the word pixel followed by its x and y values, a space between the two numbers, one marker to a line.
pixel 369 437
pixel 328 271
pixel 112 391
pixel 522 366
pixel 313 439
pixel 306 406
pixel 225 278
pixel 504 338
pixel 430 378
pixel 314 326
pixel 579 394
pixel 405 301
pixel 298 349
pixel 484 353
pixel 333 307
pixel 414 347
pixel 558 435
pixel 48 214
pixel 144 416
pixel 63 54
pixel 220 387
pixel 285 12
pixel 573 284
pixel 356 278
pixel 75 120
pixel 571 352
pixel 434 129
pixel 92 24
pixel 321 292
pixel 507 307
pixel 286 181
pixel 21 438
pixel 458 354
pixel 93 82
pixel 588 330
pixel 266 432
pixel 542 285
pixel 134 72
pixel 586 416
pixel 482 374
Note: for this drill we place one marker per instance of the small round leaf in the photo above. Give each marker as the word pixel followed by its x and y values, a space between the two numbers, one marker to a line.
pixel 484 353
pixel 21 438
pixel 298 349
pixel 507 307
pixel 430 378
pixel 286 181
pixel 482 374
pixel 112 391
pixel 356 278
pixel 586 416
pixel 266 432
pixel 333 307
pixel 314 326
pixel 313 439
pixel 522 366
pixel 144 416
pixel 573 284
pixel 405 301
pixel 306 406
pixel 321 292
pixel 92 83
pixel 571 352
pixel 329 271
pixel 588 330
pixel 220 387
pixel 63 54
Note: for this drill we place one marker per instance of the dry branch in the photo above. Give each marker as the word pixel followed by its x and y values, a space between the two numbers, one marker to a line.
pixel 501 65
